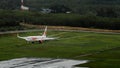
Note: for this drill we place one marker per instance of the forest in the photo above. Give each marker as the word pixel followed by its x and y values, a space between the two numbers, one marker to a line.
pixel 104 14
pixel 76 6
pixel 14 18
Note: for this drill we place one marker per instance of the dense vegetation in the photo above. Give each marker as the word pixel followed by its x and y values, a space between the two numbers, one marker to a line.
pixel 85 13
pixel 10 4
pixel 77 6
pixel 14 18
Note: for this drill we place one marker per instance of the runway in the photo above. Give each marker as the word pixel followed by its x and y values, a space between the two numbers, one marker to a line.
pixel 41 63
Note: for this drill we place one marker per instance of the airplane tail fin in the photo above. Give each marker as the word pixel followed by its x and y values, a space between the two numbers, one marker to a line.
pixel 45 31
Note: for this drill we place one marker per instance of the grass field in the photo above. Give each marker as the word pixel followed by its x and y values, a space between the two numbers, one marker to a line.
pixel 71 45
pixel 107 59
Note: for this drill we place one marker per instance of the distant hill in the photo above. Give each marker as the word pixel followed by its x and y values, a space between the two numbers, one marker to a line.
pixel 75 5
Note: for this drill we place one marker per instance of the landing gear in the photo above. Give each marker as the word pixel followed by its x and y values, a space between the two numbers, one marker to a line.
pixel 40 42
pixel 33 42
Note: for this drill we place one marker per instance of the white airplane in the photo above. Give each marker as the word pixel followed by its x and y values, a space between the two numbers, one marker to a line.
pixel 37 38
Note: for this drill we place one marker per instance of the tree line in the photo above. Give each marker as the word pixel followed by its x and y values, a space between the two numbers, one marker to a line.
pixel 76 6
pixel 10 18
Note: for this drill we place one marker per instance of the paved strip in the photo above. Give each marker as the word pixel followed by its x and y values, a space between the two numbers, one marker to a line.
pixel 21 31
pixel 40 63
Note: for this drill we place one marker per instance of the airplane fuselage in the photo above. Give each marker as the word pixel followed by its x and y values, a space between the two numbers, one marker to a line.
pixel 33 38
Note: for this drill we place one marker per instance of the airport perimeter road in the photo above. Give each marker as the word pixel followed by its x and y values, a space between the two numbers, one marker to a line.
pixel 21 31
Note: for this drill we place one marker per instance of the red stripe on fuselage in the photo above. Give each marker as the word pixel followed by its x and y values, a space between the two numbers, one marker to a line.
pixel 33 38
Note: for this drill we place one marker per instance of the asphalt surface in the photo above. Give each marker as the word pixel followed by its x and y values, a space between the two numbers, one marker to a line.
pixel 21 31
pixel 41 63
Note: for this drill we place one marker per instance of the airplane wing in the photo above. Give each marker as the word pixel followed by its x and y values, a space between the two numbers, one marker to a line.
pixel 21 37
pixel 43 39
pixel 49 38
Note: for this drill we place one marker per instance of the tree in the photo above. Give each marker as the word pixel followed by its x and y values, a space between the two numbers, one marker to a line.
pixel 59 9
pixel 106 12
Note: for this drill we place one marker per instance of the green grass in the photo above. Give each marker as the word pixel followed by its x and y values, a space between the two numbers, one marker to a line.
pixel 107 59
pixel 69 45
